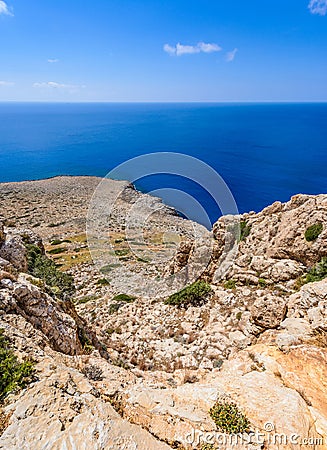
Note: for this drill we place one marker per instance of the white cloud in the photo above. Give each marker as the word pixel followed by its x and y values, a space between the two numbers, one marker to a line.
pixel 318 7
pixel 230 56
pixel 53 84
pixel 6 83
pixel 53 60
pixel 209 48
pixel 169 49
pixel 4 9
pixel 72 88
pixel 181 49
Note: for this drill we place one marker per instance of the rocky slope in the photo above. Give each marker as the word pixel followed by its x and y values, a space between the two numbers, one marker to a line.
pixel 152 371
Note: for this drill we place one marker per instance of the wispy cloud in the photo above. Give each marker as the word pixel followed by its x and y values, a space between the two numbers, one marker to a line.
pixel 59 86
pixel 4 9
pixel 6 83
pixel 180 49
pixel 318 7
pixel 230 56
pixel 53 60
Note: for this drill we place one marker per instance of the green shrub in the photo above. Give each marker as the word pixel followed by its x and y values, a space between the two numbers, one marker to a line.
pixel 40 266
pixel 318 272
pixel 192 295
pixel 103 282
pixel 56 251
pixel 114 307
pixel 14 375
pixel 84 340
pixel 228 418
pixel 87 298
pixel 245 230
pixel 262 282
pixel 312 232
pixel 124 298
pixel 230 284
pixel 122 252
pixel 108 268
pixel 238 315
pixel 58 241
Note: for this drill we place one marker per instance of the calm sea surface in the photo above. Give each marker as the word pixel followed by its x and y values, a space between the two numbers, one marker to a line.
pixel 264 152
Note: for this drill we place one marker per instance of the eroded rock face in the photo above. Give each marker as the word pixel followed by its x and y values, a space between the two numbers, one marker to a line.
pixel 18 295
pixel 275 248
pixel 267 384
pixel 64 410
pixel 268 311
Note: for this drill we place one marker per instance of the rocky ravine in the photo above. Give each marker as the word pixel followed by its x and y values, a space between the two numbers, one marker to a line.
pixel 259 340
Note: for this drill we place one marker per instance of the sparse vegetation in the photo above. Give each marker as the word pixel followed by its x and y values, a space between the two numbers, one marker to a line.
pixel 14 375
pixel 245 230
pixel 114 307
pixel 59 242
pixel 124 298
pixel 93 372
pixel 56 251
pixel 312 232
pixel 262 282
pixel 230 284
pixel 192 295
pixel 87 298
pixel 228 418
pixel 108 268
pixel 103 282
pixel 318 272
pixel 84 340
pixel 40 266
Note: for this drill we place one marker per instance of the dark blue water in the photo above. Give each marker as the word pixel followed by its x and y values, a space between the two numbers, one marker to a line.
pixel 264 152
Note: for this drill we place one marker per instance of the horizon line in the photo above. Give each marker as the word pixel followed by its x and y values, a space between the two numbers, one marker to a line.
pixel 168 102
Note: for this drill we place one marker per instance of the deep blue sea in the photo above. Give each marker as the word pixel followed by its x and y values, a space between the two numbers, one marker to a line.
pixel 264 152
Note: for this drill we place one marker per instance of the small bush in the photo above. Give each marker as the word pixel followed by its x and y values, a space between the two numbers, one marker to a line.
pixel 238 315
pixel 40 266
pixel 312 232
pixel 84 340
pixel 87 298
pixel 228 418
pixel 93 372
pixel 56 251
pixel 262 282
pixel 58 241
pixel 114 307
pixel 230 284
pixel 108 268
pixel 318 272
pixel 124 298
pixel 14 375
pixel 217 363
pixel 245 230
pixel 103 282
pixel 192 295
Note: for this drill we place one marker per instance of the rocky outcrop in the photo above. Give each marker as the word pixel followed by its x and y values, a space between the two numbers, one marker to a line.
pixel 259 339
pixel 274 247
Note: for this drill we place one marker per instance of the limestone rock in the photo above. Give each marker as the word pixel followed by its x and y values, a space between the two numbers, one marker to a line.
pixel 268 311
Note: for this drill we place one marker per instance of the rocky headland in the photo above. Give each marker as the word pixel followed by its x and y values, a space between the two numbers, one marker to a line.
pixel 245 349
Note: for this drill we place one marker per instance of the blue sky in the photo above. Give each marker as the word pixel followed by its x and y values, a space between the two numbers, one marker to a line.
pixel 167 50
